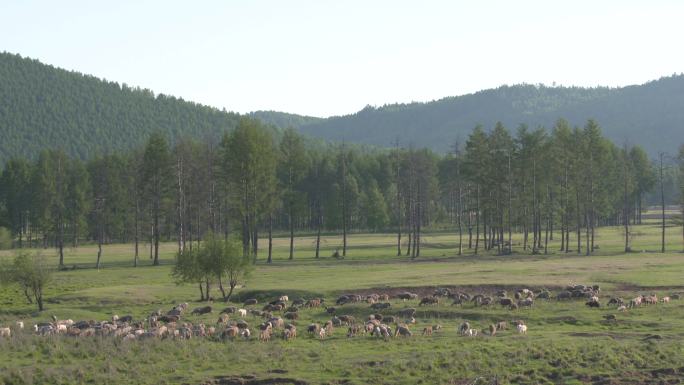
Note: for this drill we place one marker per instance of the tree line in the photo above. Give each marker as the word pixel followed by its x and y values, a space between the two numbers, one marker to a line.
pixel 255 181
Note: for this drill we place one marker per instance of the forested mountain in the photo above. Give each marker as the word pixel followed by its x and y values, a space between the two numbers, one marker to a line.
pixel 651 115
pixel 45 107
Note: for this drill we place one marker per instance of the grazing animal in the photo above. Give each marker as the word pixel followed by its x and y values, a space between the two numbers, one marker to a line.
pixel 321 333
pixel 381 305
pixel 408 312
pixel 610 317
pixel 522 328
pixel 411 321
pixel 330 310
pixel 593 304
pixel 622 308
pixel 514 306
pixel 19 325
pixel 291 315
pixel 242 312
pixel 202 310
pixel 492 330
pixel 251 301
pixel 314 302
pixel 354 330
pixel 427 331
pixel 406 296
pixel 403 331
pixel 223 319
pixel 527 302
pixel 616 301
pixel 665 300
pixel 429 301
pixel 5 332
pixel 265 335
pixel 313 328
pixel 564 295
pixel 505 301
pixel 470 333
pixel 283 298
pixel 502 325
pixel 347 319
pixel 465 326
pixel 229 310
pixel 245 333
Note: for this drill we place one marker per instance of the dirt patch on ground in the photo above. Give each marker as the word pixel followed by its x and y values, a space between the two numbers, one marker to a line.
pixel 252 380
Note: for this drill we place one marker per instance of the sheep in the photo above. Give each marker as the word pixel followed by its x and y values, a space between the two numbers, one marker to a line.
pixel 19 325
pixel 465 326
pixel 354 330
pixel 522 329
pixel 408 312
pixel 389 319
pixel 230 310
pixel 336 321
pixel 265 335
pixel 502 325
pixel 314 302
pixel 289 334
pixel 348 319
pixel 429 301
pixel 242 312
pixel 383 297
pixel 291 315
pixel 201 310
pixel 427 331
pixel 284 298
pixel 492 330
pixel 406 296
pixel 313 328
pixel 505 301
pixel 330 310
pixel 457 302
pixel 403 331
pixel 245 333
pixel 298 302
pixel 622 308
pixel 616 301
pixel 124 319
pixel 251 301
pixel 545 294
pixel 321 333
pixel 593 304
pixel 241 324
pixel 564 295
pixel 436 327
pixel 223 319
pixel 514 306
pixel 381 305
pixel 410 321
pixel 665 300
pixel 470 333
pixel 5 332
pixel 329 328
pixel 527 302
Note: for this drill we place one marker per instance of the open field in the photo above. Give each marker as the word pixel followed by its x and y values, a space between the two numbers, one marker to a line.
pixel 567 342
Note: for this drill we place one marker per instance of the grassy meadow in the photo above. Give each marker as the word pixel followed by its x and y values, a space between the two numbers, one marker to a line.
pixel 567 342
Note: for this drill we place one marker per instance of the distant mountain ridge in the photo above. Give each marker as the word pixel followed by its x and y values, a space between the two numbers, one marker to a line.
pixel 651 114
pixel 46 107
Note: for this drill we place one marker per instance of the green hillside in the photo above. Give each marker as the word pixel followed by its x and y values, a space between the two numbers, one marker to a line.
pixel 651 115
pixel 45 107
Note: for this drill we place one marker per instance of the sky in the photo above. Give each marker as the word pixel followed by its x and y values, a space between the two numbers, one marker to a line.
pixel 324 58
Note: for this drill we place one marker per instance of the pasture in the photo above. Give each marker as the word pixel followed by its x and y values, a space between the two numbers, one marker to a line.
pixel 567 342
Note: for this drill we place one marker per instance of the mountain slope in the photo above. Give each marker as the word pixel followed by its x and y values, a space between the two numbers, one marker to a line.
pixel 651 114
pixel 42 106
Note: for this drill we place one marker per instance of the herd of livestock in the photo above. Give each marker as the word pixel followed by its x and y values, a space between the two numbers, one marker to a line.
pixel 231 322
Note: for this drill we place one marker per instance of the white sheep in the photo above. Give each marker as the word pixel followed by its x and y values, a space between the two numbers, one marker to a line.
pixel 5 332
pixel 242 312
pixel 622 308
pixel 522 329
pixel 61 328
pixel 20 325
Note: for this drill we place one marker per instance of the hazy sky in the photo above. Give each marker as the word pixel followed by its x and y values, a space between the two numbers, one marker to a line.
pixel 334 57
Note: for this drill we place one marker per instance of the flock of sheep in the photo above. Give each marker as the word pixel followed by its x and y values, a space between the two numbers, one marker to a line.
pixel 170 325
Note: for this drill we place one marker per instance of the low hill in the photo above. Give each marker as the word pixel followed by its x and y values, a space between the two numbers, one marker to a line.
pixel 42 106
pixel 650 114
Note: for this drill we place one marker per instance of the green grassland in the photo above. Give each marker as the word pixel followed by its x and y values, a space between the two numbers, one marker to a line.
pixel 567 342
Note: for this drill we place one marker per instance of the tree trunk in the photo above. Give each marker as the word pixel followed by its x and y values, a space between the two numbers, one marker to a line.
pixel 477 218
pixel 201 291
pixel 319 224
pixel 291 223
pixel 270 239
pixel 223 292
